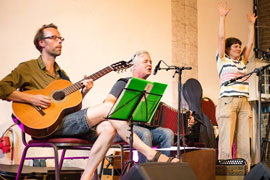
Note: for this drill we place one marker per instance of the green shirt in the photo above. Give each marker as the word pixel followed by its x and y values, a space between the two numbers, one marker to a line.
pixel 28 75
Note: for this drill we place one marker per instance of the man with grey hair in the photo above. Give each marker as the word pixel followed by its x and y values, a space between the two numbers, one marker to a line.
pixel 162 137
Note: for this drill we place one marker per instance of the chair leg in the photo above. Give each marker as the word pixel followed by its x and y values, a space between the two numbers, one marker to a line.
pixel 122 158
pixel 21 163
pixel 57 171
pixel 101 168
pixel 96 177
pixel 62 159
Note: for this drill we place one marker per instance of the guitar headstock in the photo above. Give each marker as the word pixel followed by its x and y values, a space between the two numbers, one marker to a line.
pixel 121 65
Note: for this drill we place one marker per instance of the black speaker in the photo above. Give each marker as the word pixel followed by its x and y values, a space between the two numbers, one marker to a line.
pixel 160 171
pixel 260 172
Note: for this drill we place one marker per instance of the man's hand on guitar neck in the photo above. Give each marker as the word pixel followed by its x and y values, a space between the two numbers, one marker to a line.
pixel 88 84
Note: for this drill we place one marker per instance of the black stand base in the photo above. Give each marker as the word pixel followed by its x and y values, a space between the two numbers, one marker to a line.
pixel 128 166
pixel 130 163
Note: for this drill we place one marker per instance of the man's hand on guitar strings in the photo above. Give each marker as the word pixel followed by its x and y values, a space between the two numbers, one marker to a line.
pixel 88 84
pixel 41 101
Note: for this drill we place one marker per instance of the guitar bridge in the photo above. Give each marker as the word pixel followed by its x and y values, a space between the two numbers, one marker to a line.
pixel 39 109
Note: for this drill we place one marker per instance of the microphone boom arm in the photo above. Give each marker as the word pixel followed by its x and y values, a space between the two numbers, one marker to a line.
pixel 256 70
pixel 176 68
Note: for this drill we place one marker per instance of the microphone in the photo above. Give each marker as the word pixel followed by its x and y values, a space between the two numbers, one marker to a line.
pixel 132 58
pixel 186 68
pixel 256 49
pixel 157 67
pixel 229 82
pixel 239 77
pixel 130 61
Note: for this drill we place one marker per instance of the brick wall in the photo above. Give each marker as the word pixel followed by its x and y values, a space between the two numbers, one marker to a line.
pixel 263 23
pixel 184 40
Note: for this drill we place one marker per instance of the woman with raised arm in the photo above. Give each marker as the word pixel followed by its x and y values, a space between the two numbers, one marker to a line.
pixel 233 110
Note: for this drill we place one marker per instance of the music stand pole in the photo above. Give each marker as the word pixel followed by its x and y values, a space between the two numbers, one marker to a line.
pixel 130 123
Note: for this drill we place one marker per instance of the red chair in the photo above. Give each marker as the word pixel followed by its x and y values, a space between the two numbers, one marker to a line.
pixel 209 109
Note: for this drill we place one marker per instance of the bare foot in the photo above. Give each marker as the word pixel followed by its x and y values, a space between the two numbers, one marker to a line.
pixel 175 160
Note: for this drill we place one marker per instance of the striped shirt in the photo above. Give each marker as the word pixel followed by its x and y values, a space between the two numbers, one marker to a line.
pixel 229 69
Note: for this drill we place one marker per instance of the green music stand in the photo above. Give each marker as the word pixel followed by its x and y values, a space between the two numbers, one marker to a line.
pixel 138 102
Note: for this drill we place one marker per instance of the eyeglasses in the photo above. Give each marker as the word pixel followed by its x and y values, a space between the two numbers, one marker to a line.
pixel 54 38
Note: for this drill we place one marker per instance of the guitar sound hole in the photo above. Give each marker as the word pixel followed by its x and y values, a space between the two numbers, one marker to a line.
pixel 59 95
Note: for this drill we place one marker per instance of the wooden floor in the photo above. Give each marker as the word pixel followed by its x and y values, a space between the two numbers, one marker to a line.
pixel 38 173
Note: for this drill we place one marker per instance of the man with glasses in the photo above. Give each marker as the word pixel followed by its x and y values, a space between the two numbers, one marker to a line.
pixel 87 123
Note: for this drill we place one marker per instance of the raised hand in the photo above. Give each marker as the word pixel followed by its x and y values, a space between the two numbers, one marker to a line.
pixel 223 9
pixel 251 17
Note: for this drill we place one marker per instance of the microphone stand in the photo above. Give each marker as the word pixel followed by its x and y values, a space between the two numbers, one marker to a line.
pixel 178 70
pixel 258 72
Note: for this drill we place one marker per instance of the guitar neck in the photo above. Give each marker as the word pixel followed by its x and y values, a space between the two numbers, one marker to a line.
pixel 99 74
pixel 78 85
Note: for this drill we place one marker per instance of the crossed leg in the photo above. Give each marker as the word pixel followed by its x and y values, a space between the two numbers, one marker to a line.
pixel 95 115
pixel 106 134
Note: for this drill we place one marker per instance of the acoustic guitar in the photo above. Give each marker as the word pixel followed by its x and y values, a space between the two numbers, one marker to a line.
pixel 66 98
